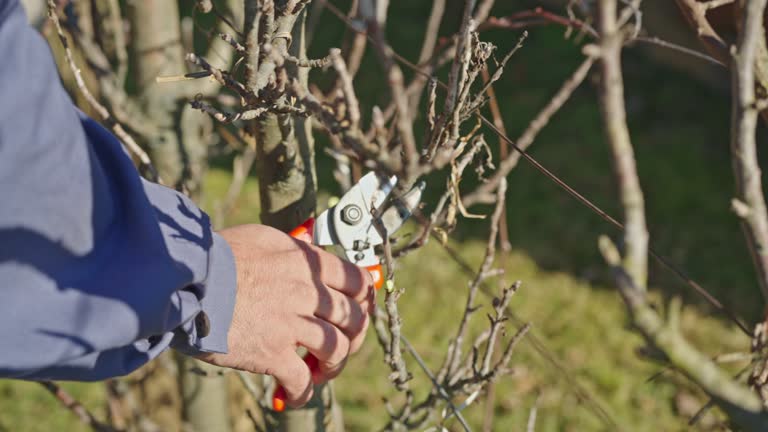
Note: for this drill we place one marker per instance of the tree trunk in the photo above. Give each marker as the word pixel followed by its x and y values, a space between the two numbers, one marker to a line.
pixel 287 186
pixel 179 151
pixel 285 156
pixel 177 148
pixel 204 399
pixel 285 170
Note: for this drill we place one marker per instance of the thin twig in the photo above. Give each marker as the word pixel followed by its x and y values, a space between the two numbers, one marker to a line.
pixel 428 44
pixel 581 392
pixel 98 107
pixel 531 425
pixel 749 203
pixel 399 96
pixel 534 17
pixel 665 262
pixel 540 16
pixel 484 192
pixel 500 69
pixel 225 117
pixel 423 365
pixel 75 407
pixel 653 40
pixel 498 121
pixel 453 356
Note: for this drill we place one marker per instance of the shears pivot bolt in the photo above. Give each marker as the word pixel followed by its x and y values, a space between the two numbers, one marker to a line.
pixel 352 214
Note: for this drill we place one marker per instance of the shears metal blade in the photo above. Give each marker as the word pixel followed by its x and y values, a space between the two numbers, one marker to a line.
pixel 364 216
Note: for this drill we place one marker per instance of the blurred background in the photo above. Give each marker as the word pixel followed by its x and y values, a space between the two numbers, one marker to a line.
pixel 581 365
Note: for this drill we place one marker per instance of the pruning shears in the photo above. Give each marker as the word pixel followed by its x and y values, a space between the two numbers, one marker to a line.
pixel 362 219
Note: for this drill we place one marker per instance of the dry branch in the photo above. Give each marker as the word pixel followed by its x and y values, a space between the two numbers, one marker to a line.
pixel 453 357
pixel 742 405
pixel 617 135
pixel 124 137
pixel 395 80
pixel 695 13
pixel 749 203
pixel 76 407
pixel 483 194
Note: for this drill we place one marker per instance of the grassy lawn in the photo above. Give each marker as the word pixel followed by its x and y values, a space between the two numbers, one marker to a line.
pixel 680 132
pixel 580 323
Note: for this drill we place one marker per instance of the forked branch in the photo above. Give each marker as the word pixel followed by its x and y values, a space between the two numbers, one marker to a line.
pixel 738 401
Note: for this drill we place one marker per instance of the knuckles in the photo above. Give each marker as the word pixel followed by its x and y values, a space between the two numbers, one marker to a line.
pixel 340 352
pixel 359 337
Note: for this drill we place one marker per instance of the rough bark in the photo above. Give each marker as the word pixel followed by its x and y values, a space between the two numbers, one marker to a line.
pixel 287 186
pixel 180 153
pixel 749 203
pixel 285 158
pixel 286 181
pixel 177 147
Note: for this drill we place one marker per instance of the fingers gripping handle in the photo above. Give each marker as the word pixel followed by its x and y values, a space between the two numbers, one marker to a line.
pixel 304 232
pixel 280 396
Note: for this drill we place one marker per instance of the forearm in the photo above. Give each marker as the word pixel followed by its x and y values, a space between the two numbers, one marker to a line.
pixel 100 271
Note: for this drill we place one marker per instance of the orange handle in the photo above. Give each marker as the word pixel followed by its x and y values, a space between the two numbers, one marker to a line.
pixel 304 231
pixel 378 275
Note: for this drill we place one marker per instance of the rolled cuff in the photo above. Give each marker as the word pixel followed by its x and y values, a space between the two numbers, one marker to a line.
pixel 207 332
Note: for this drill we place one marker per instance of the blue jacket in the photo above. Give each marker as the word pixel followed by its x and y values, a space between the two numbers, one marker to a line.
pixel 100 271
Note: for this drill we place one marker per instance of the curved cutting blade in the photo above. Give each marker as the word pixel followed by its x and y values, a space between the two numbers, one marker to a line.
pixel 350 223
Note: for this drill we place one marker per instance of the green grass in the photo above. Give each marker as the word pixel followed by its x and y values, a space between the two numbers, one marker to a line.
pixel 26 406
pixel 580 323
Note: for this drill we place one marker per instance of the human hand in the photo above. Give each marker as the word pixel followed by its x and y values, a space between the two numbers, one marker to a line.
pixel 290 294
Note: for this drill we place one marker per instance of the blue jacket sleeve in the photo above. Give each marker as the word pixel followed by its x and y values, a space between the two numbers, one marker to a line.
pixel 100 271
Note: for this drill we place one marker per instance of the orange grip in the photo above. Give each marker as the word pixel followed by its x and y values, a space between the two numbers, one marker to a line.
pixel 378 275
pixel 304 231
pixel 278 399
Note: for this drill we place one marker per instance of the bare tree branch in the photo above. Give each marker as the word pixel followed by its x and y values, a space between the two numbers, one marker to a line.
pixel 696 14
pixel 743 406
pixel 617 134
pixel 76 407
pixel 749 203
pixel 484 192
pixel 99 108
